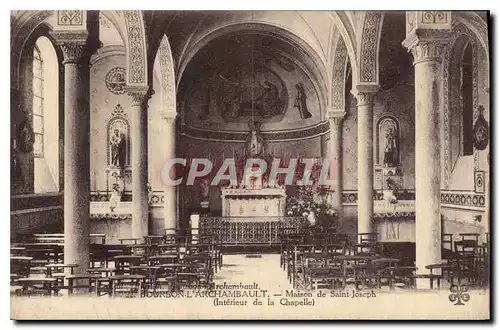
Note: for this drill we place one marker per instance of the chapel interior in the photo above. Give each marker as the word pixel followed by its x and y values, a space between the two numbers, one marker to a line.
pixel 100 100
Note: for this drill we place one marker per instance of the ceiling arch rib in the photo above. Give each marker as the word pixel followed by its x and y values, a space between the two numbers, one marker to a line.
pixel 348 33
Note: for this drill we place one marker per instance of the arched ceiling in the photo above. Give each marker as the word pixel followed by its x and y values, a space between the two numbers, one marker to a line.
pixel 251 74
pixel 189 31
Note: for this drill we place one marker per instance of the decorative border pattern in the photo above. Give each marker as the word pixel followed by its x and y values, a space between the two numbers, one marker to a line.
pixel 110 216
pixel 434 17
pixel 338 76
pixel 405 215
pixel 369 42
pixel 352 197
pixel 70 17
pixel 120 87
pixel 155 197
pixel 136 49
pixel 319 129
pixel 167 75
pixel 463 199
pixel 458 30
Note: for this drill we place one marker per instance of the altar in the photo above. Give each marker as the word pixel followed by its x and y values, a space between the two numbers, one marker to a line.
pixel 252 199
pixel 242 202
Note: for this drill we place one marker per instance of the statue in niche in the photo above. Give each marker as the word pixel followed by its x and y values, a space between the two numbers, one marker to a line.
pixel 118 148
pixel 301 101
pixel 390 148
pixel 255 143
pixel 205 189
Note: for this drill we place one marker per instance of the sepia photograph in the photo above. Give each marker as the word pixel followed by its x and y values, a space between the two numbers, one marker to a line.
pixel 250 165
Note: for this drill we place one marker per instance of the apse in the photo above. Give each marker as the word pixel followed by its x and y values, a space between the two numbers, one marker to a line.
pixel 249 77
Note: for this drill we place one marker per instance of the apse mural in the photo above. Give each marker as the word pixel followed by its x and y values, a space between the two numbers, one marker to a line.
pixel 241 78
pixel 243 94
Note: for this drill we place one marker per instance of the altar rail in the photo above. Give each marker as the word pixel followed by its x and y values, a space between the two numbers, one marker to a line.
pixel 249 231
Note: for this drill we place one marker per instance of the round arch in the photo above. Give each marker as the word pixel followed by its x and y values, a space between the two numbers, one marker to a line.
pixel 461 35
pixel 130 26
pixel 342 21
pixel 318 70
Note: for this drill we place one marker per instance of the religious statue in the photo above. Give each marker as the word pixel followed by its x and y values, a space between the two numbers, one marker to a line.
pixel 390 148
pixel 301 101
pixel 24 146
pixel 481 134
pixel 26 137
pixel 205 188
pixel 116 197
pixel 118 149
pixel 255 141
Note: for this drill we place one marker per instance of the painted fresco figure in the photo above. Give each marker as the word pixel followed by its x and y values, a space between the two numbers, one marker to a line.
pixel 301 101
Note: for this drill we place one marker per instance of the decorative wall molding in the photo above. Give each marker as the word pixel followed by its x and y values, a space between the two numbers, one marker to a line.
pixel 289 135
pixel 369 46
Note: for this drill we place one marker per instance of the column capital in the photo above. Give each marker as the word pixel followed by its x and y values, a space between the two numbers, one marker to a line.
pixel 427 45
pixel 73 45
pixel 365 94
pixel 140 94
pixel 335 116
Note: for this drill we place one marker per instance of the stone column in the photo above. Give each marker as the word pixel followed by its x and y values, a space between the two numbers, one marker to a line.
pixel 427 62
pixel 365 95
pixel 139 159
pixel 76 154
pixel 335 118
pixel 170 192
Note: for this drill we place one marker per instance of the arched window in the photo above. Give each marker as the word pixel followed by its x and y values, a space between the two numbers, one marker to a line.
pixel 466 97
pixel 38 101
pixel 45 116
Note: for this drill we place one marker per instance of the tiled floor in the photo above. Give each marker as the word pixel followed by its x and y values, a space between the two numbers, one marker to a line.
pixel 265 271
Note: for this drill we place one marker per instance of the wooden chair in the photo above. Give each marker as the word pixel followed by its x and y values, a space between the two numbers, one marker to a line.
pixel 126 285
pixel 123 263
pixel 330 275
pixel 79 282
pixel 447 241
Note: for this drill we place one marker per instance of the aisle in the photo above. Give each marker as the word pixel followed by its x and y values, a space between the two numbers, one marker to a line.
pixel 265 271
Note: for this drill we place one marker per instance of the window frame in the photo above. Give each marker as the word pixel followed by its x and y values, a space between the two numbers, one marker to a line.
pixel 38 77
